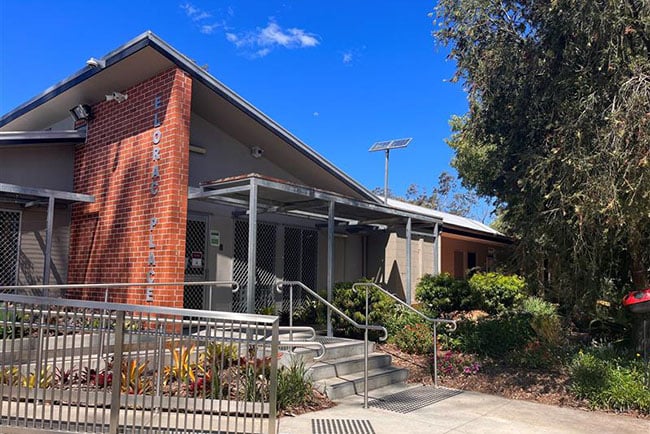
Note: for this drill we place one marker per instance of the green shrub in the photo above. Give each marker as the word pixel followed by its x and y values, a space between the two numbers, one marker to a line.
pixel 414 339
pixel 497 293
pixel 352 302
pixel 609 381
pixel 442 294
pixel 544 321
pixel 494 336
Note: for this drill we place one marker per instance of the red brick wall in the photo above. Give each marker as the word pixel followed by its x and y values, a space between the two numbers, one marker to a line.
pixel 110 239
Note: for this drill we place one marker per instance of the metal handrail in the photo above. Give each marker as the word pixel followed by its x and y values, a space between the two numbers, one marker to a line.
pixel 365 327
pixel 435 321
pixel 306 344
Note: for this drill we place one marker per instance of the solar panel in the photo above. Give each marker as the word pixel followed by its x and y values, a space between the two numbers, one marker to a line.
pixel 390 144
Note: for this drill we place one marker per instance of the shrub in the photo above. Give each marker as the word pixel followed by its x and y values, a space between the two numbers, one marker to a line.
pixel 295 388
pixel 497 293
pixel 352 302
pixel 453 363
pixel 414 339
pixel 442 294
pixel 544 320
pixel 494 336
pixel 609 381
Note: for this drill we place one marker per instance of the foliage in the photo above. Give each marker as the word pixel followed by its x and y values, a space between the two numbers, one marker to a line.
pixel 447 196
pixel 442 293
pixel 608 380
pixel 494 336
pixel 544 320
pixel 294 386
pixel 10 376
pixel 414 339
pixel 42 381
pixel 496 293
pixel 218 355
pixel 182 369
pixel 352 302
pixel 134 378
pixel 454 363
pixel 558 131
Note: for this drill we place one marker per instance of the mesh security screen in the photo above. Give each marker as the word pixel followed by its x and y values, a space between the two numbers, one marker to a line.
pixel 195 257
pixel 9 246
pixel 300 261
pixel 265 274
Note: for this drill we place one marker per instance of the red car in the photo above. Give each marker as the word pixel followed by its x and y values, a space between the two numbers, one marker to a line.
pixel 638 301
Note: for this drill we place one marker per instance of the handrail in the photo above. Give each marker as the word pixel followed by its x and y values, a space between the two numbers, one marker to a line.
pixel 365 327
pixel 280 284
pixel 299 329
pixel 449 322
pixel 306 344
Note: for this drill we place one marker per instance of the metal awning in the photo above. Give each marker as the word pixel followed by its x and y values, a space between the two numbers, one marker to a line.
pixel 42 137
pixel 283 197
pixel 27 195
pixel 261 194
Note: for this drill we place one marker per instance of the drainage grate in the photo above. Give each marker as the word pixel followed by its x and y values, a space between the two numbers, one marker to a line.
pixel 341 426
pixel 413 399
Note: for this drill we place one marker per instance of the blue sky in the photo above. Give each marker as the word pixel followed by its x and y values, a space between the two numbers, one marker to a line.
pixel 340 75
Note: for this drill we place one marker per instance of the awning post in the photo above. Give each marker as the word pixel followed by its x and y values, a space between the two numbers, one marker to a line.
pixel 436 249
pixel 330 264
pixel 407 293
pixel 252 246
pixel 49 232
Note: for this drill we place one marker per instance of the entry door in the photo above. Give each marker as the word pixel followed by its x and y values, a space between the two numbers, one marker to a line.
pixel 196 244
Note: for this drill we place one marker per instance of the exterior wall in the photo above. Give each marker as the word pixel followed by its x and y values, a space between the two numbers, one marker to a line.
pixel 451 244
pixel 348 258
pixel 421 263
pixel 33 222
pixel 225 156
pixel 110 239
pixel 44 166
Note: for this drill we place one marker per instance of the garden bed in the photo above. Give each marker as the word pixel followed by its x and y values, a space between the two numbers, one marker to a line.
pixel 545 386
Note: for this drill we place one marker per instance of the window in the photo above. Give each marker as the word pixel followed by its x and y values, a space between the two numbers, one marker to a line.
pixel 471 260
pixel 9 246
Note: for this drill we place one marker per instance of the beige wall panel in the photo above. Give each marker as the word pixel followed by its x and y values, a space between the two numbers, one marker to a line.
pixel 225 156
pixel 48 166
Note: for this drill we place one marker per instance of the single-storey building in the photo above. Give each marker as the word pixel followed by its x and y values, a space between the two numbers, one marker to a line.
pixel 142 167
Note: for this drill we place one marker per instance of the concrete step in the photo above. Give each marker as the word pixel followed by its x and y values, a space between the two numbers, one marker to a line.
pixel 340 387
pixel 347 365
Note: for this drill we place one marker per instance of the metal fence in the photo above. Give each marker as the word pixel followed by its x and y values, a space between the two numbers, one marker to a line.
pixel 81 366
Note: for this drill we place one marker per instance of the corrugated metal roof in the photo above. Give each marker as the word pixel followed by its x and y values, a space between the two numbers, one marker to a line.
pixel 447 219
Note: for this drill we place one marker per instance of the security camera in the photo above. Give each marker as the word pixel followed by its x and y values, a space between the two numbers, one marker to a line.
pixel 257 152
pixel 119 97
pixel 96 63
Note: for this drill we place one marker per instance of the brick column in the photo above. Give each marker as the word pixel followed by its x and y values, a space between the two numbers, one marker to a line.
pixel 135 162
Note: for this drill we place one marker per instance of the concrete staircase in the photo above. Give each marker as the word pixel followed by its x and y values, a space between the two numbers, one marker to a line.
pixel 340 372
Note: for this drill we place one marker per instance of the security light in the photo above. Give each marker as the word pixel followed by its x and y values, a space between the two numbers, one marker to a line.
pixel 81 112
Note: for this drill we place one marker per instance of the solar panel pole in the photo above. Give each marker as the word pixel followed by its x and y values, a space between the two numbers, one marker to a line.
pixel 386 178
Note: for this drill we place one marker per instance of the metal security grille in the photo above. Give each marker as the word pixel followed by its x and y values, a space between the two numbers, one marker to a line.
pixel 195 258
pixel 413 399
pixel 265 275
pixel 300 262
pixel 9 247
pixel 341 426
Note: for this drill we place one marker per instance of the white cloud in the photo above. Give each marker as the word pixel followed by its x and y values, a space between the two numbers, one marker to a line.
pixel 208 29
pixel 194 13
pixel 263 40
pixel 316 114
pixel 347 57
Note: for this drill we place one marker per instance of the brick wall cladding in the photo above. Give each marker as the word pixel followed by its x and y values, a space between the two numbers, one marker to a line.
pixel 109 240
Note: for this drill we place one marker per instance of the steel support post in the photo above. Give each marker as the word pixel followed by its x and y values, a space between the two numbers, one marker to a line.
pixel 48 242
pixel 252 246
pixel 436 249
pixel 330 265
pixel 407 293
pixel 386 177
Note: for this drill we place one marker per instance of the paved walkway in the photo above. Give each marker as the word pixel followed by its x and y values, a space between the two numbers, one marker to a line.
pixel 465 412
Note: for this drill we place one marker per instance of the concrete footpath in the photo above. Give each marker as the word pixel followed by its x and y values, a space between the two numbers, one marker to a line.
pixel 458 412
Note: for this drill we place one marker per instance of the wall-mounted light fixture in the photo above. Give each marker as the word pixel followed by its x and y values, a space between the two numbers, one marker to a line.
pixel 81 112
